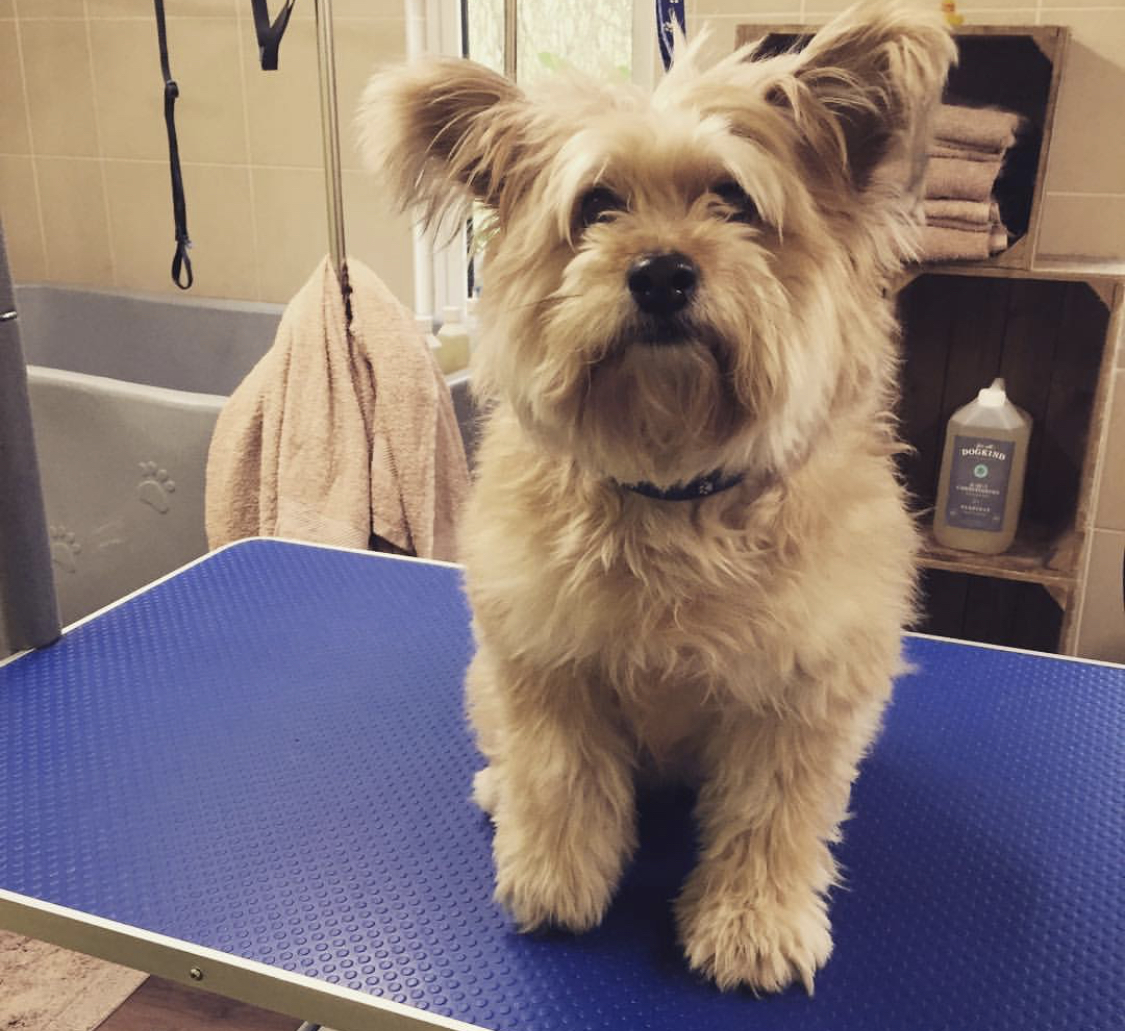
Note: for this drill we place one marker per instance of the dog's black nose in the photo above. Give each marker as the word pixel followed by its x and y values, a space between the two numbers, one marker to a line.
pixel 662 284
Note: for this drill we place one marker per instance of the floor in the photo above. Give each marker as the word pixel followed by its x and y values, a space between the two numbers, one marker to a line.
pixel 160 1005
pixel 45 988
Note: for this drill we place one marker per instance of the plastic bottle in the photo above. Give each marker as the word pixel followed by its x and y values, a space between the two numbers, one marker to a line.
pixel 453 355
pixel 425 326
pixel 472 322
pixel 980 489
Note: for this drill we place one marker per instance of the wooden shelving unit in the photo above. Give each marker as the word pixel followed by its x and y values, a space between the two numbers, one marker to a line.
pixel 1037 556
pixel 1047 326
pixel 1051 334
pixel 1017 68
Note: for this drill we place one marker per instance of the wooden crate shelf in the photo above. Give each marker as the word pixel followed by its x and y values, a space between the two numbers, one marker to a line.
pixel 1047 325
pixel 1015 67
pixel 1037 556
pixel 1051 335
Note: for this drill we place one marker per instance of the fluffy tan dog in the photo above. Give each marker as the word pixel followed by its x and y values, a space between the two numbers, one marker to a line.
pixel 687 551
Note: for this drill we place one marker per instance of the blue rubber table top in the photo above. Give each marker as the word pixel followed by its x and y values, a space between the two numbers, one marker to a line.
pixel 266 755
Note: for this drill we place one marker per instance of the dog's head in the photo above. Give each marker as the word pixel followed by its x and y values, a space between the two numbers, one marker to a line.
pixel 690 280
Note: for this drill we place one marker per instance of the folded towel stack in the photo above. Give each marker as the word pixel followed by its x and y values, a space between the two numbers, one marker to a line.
pixel 966 156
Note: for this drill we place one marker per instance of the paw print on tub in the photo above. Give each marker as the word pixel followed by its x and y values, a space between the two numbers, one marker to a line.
pixel 156 487
pixel 64 549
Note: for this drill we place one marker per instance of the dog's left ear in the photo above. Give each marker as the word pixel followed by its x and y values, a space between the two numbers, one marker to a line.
pixel 876 72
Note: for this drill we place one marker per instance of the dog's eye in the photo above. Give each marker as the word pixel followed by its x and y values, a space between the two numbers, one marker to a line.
pixel 733 196
pixel 598 205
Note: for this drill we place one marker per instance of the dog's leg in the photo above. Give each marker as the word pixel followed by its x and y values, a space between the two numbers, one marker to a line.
pixel 559 786
pixel 753 913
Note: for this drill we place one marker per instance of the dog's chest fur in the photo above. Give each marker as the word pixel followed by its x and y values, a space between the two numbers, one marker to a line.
pixel 677 610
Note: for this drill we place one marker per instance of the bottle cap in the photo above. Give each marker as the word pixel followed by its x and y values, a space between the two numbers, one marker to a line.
pixel 993 396
pixel 451 313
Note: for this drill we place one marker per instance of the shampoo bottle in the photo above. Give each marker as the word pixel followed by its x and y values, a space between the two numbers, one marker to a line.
pixel 425 326
pixel 980 489
pixel 453 355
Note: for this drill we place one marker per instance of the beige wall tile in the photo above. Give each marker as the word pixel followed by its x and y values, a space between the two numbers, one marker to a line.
pixel 73 203
pixel 747 9
pixel 128 89
pixel 178 9
pixel 284 106
pixel 60 96
pixel 20 215
pixel 992 13
pixel 340 9
pixel 13 112
pixel 204 59
pixel 140 217
pixel 980 10
pixel 292 235
pixel 1053 5
pixel 7 9
pixel 53 8
pixel 1085 227
pixel 1101 633
pixel 219 223
pixel 1111 498
pixel 821 7
pixel 378 235
pixel 368 8
pixel 1088 146
pixel 362 46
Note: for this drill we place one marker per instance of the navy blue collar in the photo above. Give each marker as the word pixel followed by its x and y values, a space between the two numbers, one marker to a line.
pixel 701 487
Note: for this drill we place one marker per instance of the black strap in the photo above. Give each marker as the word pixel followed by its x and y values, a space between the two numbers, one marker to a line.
pixel 269 35
pixel 181 263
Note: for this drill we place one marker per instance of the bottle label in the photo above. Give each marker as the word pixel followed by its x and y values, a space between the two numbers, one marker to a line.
pixel 978 483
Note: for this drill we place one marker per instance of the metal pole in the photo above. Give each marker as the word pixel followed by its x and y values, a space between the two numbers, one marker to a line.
pixel 422 248
pixel 28 612
pixel 511 38
pixel 330 129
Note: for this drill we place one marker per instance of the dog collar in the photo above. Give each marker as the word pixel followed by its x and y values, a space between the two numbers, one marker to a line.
pixel 701 487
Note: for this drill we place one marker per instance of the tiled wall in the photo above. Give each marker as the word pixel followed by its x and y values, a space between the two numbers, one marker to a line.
pixel 1084 210
pixel 84 184
pixel 1102 629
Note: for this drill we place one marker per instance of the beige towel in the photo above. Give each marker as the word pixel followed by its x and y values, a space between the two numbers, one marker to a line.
pixel 335 436
pixel 938 149
pixel 978 128
pixel 971 211
pixel 942 244
pixel 954 179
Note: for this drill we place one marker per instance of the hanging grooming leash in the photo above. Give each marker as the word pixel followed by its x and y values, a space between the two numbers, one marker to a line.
pixel 668 14
pixel 181 264
pixel 269 34
pixel 269 42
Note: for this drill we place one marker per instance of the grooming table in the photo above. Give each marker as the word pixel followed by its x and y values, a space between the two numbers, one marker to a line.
pixel 254 777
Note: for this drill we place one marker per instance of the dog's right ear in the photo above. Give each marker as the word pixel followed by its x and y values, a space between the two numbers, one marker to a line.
pixel 445 131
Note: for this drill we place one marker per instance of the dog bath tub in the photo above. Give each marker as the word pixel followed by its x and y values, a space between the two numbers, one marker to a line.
pixel 125 390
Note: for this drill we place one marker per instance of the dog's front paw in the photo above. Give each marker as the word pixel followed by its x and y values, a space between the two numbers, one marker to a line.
pixel 486 789
pixel 764 945
pixel 547 891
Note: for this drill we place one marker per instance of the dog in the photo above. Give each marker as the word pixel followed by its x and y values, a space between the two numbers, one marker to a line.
pixel 687 551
